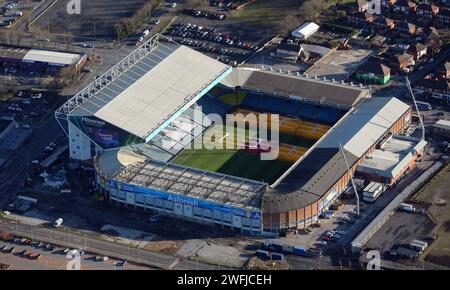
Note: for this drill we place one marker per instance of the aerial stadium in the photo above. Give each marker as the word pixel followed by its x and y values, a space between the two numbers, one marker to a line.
pixel 139 123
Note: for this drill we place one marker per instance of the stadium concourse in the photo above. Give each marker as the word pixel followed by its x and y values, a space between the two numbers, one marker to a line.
pixel 142 120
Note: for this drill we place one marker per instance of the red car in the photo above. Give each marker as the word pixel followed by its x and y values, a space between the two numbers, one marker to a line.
pixel 326 238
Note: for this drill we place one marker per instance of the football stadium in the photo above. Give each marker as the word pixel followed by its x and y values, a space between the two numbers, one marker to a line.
pixel 153 126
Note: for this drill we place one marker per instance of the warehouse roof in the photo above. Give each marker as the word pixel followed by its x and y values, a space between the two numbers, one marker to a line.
pixel 51 57
pixel 312 89
pixel 156 88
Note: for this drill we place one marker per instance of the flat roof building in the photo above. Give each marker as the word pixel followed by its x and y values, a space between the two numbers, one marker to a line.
pixel 38 59
pixel 305 30
pixel 392 160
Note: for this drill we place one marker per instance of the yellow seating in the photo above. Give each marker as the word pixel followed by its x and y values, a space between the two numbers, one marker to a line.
pixel 293 126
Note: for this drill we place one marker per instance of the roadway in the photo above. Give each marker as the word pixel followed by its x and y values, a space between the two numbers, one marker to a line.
pixel 119 251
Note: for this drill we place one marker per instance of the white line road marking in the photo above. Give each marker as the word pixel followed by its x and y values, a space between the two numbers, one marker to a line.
pixel 174 263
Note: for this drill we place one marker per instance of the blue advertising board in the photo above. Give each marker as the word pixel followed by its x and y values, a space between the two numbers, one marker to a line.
pixel 254 214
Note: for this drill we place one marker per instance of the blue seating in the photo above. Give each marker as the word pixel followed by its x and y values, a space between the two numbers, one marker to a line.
pixel 312 112
pixel 213 106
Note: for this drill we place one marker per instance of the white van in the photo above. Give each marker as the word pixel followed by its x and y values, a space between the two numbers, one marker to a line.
pixel 58 222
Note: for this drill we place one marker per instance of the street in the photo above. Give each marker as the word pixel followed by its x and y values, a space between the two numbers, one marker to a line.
pixel 119 251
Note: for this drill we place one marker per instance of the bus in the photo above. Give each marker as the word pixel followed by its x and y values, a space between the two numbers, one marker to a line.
pixel 424 106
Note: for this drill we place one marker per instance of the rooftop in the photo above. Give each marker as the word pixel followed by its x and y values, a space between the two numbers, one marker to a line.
pixel 169 79
pixel 340 64
pixel 194 183
pixel 315 173
pixel 305 30
pixel 312 89
pixel 392 157
pixel 376 68
pixel 443 124
pixel 51 57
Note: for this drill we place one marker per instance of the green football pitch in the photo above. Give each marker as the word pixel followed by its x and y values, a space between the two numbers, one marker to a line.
pixel 232 161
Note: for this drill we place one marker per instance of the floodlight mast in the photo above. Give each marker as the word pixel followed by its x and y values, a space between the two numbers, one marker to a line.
pixel 408 84
pixel 351 179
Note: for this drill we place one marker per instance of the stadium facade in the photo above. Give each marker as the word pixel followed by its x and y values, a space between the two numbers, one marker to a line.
pixel 123 119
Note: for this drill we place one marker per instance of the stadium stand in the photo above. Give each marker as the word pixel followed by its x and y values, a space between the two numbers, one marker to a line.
pixel 293 108
pixel 211 105
pixel 296 127
pixel 233 98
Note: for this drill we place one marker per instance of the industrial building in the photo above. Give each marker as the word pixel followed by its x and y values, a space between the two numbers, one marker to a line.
pixel 138 120
pixel 52 62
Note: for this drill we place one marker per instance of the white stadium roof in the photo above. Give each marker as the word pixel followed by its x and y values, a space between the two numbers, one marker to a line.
pixel 53 57
pixel 365 125
pixel 154 90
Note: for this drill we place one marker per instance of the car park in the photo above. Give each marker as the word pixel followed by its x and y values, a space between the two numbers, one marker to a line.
pixel 325 238
pixel 7 250
pixel 120 263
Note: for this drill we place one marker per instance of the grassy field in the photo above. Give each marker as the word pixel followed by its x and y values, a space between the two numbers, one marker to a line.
pixel 438 189
pixel 232 161
pixel 266 12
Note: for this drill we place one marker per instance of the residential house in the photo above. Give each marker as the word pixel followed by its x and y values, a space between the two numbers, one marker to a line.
pixel 387 3
pixel 404 7
pixel 362 5
pixel 360 18
pixel 418 50
pixel 405 27
pixel 427 11
pixel 432 38
pixel 443 18
pixel 383 23
pixel 373 72
pixel 402 61
pixel 443 70
pixel 439 89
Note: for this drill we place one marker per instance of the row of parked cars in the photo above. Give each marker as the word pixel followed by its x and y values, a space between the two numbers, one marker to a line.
pixel 204 14
pixel 47 247
pixel 188 30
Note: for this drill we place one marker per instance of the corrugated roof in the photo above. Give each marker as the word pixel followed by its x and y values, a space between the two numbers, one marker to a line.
pixel 154 89
pixel 54 57
pixel 366 124
pixel 327 92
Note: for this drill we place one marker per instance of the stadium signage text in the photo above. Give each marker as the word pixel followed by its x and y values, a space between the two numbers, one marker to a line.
pixel 182 200
pixel 125 187
pixel 93 122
